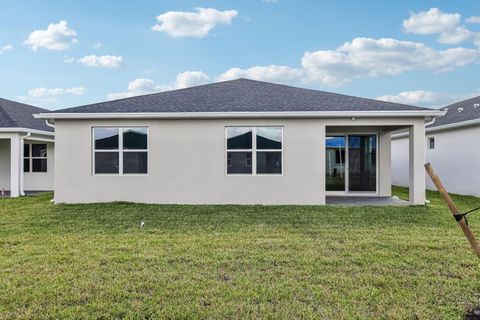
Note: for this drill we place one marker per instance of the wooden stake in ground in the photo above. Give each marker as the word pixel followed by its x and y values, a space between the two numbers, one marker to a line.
pixel 453 208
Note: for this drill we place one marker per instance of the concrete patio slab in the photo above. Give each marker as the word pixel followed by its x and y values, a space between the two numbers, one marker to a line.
pixel 27 193
pixel 365 201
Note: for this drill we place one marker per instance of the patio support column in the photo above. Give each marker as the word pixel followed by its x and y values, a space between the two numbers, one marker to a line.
pixel 15 165
pixel 416 163
pixel 385 164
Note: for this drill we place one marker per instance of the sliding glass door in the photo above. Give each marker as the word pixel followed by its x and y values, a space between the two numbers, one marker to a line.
pixel 335 163
pixel 362 163
pixel 351 163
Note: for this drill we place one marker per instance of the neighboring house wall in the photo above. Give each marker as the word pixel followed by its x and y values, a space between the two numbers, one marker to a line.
pixel 33 181
pixel 400 150
pixel 41 181
pixel 454 159
pixel 5 164
pixel 187 162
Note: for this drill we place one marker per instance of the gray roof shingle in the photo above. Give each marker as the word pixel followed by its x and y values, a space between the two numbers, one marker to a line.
pixel 241 95
pixel 19 115
pixel 470 111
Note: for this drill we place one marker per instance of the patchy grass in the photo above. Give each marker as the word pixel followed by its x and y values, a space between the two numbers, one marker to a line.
pixel 277 262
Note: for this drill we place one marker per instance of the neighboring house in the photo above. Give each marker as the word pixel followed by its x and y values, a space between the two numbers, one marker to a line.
pixel 452 147
pixel 233 142
pixel 26 149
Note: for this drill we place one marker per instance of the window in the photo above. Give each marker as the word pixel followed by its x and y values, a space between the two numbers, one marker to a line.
pixel 254 150
pixel 35 157
pixel 431 143
pixel 120 151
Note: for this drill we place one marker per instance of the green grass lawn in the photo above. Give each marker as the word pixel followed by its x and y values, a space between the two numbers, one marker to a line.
pixel 276 262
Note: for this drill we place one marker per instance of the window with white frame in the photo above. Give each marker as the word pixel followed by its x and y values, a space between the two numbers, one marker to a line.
pixel 120 151
pixel 35 157
pixel 254 150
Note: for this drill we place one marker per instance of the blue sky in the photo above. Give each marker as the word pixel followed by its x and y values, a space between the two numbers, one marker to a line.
pixel 58 54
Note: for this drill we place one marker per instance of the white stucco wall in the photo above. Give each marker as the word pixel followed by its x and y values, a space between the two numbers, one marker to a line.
pixel 454 159
pixel 41 181
pixel 5 164
pixel 187 163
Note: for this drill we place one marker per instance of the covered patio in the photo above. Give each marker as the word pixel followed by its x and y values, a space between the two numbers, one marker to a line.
pixel 358 162
pixel 19 149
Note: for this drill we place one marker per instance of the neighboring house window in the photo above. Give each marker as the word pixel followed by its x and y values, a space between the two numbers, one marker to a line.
pixel 431 143
pixel 254 150
pixel 120 151
pixel 34 157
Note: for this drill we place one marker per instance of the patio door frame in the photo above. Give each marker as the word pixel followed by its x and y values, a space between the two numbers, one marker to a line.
pixel 347 192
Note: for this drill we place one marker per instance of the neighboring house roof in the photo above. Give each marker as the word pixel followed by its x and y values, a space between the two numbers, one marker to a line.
pixel 459 112
pixel 19 115
pixel 239 95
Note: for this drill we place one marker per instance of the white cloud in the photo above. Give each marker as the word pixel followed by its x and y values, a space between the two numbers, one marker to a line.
pixel 446 25
pixel 5 48
pixel 431 22
pixel 192 24
pixel 141 85
pixel 426 98
pixel 473 19
pixel 456 36
pixel 145 86
pixel 101 61
pixel 97 45
pixel 271 73
pixel 44 102
pixel 362 57
pixel 366 57
pixel 44 92
pixel 56 37
pixel 123 95
pixel 412 97
pixel 189 79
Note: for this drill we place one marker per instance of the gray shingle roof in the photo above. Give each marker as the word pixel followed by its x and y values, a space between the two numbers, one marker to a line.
pixel 240 95
pixel 19 115
pixel 459 111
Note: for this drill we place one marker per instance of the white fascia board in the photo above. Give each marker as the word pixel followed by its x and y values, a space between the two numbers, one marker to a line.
pixel 229 115
pixel 39 139
pixel 26 130
pixel 454 125
pixel 450 126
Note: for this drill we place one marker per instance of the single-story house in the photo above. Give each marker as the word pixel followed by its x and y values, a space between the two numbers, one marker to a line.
pixel 451 148
pixel 26 149
pixel 233 142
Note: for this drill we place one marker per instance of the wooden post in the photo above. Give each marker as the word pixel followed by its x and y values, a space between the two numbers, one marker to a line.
pixel 453 209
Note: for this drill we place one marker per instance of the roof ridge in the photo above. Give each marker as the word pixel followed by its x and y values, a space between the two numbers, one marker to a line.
pixel 331 93
pixel 151 94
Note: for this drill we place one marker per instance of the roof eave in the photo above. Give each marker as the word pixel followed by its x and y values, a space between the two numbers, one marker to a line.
pixel 220 115
pixel 454 125
pixel 26 130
